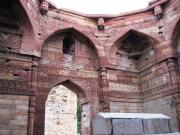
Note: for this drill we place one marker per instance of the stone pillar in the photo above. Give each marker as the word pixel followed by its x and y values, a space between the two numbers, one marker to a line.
pixel 32 95
pixel 171 63
pixel 158 11
pixel 177 105
pixel 172 70
pixel 104 90
pixel 101 24
pixel 178 109
pixel 44 7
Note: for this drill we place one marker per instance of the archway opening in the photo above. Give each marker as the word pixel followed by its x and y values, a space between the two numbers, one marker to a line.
pixel 64 113
pixel 61 112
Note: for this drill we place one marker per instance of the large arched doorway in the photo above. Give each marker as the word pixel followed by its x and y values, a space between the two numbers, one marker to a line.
pixel 61 112
pixel 65 111
pixel 67 54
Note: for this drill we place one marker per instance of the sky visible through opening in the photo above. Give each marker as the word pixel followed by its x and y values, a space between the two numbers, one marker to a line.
pixel 101 6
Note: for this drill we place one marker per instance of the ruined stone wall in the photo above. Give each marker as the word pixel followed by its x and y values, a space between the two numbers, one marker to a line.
pixel 114 76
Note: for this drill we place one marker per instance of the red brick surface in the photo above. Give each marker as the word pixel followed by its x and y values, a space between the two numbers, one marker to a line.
pixel 32 59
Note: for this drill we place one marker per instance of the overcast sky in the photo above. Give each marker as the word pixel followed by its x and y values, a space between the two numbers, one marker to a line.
pixel 101 6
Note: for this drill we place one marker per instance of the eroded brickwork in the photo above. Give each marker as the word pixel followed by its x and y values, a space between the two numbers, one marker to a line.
pixel 122 63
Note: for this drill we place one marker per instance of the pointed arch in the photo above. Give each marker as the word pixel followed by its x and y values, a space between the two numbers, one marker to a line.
pixel 61 106
pixel 79 35
pixel 77 31
pixel 132 50
pixel 73 87
pixel 17 20
pixel 123 36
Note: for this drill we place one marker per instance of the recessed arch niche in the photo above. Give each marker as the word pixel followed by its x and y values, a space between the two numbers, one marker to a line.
pixel 133 51
pixel 69 49
pixel 15 28
pixel 131 54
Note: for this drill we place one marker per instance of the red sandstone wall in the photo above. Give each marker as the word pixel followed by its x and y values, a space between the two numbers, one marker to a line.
pixel 34 63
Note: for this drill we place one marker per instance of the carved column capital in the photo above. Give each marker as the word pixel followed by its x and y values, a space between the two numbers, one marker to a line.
pixel 158 11
pixel 34 64
pixel 103 72
pixel 104 90
pixel 44 7
pixel 101 24
pixel 171 64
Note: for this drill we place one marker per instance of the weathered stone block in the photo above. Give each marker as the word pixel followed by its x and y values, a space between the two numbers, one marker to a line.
pixel 14 114
pixel 127 126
